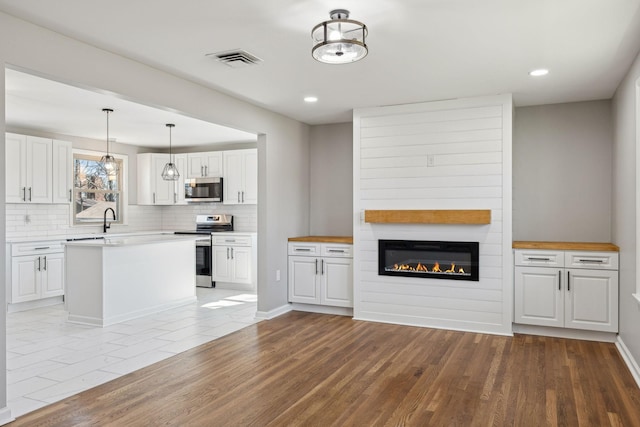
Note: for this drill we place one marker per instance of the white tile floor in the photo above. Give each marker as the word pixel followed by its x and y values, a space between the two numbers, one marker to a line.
pixel 49 359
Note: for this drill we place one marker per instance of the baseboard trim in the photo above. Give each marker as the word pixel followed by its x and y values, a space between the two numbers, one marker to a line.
pixel 576 334
pixel 323 309
pixel 628 359
pixel 272 314
pixel 5 416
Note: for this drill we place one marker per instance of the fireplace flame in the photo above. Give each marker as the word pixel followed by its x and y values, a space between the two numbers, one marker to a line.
pixel 420 267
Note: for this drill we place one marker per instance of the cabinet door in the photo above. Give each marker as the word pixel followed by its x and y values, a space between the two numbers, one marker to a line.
pixel 222 268
pixel 16 163
pixel 39 166
pixel 52 275
pixel 232 182
pixel 62 182
pixel 591 300
pixel 195 165
pixel 250 166
pixel 25 279
pixel 181 163
pixel 163 190
pixel 303 284
pixel 538 296
pixel 336 282
pixel 241 260
pixel 213 164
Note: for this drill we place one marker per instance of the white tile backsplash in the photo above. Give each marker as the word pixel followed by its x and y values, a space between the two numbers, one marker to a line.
pixel 54 221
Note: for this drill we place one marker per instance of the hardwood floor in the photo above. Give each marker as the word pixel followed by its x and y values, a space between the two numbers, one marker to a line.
pixel 320 370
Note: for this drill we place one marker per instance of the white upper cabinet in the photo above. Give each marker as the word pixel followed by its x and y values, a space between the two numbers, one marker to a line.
pixel 31 171
pixel 152 189
pixel 62 172
pixel 240 176
pixel 204 164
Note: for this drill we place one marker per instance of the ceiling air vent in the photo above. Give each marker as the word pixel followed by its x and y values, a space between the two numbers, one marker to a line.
pixel 237 58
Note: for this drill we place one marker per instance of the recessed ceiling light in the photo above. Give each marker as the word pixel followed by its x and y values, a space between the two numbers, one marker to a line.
pixel 310 99
pixel 539 72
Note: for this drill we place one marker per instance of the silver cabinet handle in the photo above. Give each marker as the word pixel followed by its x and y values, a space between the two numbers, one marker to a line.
pixel 568 282
pixel 322 266
pixel 70 196
pixel 154 198
pixel 42 248
pixel 175 197
pixel 538 259
pixel 339 251
pixel 230 240
pixel 302 249
pixel 595 261
pixel 238 197
pixel 29 193
pixel 231 253
pixel 206 170
pixel 559 280
pixel 316 265
pixel 201 170
pixel 39 264
pixel 243 197
pixel 45 263
pixel 227 253
pixel 24 194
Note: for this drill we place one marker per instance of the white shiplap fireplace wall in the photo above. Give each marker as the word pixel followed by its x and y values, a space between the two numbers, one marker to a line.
pixel 452 154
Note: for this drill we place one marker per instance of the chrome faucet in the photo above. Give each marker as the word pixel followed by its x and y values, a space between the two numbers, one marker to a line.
pixel 105 225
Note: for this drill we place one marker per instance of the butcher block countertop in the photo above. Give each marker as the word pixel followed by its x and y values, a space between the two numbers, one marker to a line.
pixel 323 239
pixel 566 246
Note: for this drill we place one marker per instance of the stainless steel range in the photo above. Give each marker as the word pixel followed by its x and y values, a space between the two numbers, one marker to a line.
pixel 205 225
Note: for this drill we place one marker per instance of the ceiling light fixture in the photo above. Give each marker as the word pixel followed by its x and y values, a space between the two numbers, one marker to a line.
pixel 340 40
pixel 310 99
pixel 170 171
pixel 539 72
pixel 108 161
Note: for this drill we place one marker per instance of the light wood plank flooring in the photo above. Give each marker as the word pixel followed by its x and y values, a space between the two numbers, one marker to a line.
pixel 304 369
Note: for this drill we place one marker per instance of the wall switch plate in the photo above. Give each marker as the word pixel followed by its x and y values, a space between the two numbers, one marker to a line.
pixel 431 161
pixel 277 275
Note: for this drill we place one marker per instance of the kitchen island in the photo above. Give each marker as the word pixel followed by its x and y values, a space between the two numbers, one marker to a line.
pixel 114 279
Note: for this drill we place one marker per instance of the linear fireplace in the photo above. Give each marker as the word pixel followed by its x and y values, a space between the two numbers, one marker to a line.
pixel 429 259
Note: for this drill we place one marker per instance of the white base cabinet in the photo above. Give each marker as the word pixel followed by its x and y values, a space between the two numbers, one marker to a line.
pixel 36 271
pixel 234 260
pixel 583 296
pixel 320 273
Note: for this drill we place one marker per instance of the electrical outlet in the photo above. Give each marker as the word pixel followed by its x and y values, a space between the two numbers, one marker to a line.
pixel 431 161
pixel 277 275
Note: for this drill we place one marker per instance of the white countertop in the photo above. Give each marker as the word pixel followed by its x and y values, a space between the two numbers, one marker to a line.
pixel 110 241
pixel 62 238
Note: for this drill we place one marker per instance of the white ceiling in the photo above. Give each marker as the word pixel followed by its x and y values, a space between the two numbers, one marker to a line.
pixel 419 50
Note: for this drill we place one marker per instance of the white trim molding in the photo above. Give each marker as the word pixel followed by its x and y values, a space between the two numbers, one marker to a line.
pixel 272 314
pixel 631 363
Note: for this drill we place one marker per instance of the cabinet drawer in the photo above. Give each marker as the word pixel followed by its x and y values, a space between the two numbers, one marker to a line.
pixel 304 248
pixel 36 248
pixel 592 260
pixel 336 250
pixel 231 240
pixel 539 258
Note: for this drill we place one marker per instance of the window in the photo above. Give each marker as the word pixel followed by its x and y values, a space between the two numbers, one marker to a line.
pixel 95 190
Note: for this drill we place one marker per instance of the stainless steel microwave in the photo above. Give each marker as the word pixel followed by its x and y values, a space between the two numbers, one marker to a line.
pixel 201 190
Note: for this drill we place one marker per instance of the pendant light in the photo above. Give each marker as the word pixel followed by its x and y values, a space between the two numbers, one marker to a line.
pixel 340 40
pixel 170 171
pixel 108 161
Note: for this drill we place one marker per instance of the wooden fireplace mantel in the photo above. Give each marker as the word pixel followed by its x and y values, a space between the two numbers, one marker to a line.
pixel 440 216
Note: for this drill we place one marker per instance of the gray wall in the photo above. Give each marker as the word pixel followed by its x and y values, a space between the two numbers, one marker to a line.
pixel 331 180
pixel 562 172
pixel 625 214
